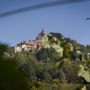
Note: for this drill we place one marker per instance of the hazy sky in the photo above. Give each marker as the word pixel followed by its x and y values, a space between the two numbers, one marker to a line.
pixel 68 19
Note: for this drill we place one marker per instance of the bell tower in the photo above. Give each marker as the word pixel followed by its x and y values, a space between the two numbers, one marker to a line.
pixel 40 35
pixel 43 32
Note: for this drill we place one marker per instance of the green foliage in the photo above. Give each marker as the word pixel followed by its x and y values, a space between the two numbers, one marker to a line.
pixel 71 73
pixel 57 35
pixel 20 58
pixel 29 68
pixel 46 54
pixel 46 77
pixel 48 67
pixel 10 77
pixel 87 62
pixel 84 73
pixel 66 52
pixel 52 42
pixel 3 48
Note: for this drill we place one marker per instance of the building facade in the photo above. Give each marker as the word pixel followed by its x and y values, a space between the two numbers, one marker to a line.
pixel 28 45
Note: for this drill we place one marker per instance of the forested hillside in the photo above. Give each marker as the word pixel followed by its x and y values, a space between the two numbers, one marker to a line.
pixel 57 64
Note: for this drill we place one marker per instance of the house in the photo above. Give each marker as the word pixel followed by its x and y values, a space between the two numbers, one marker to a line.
pixel 78 52
pixel 18 49
pixel 88 56
pixel 27 45
pixel 6 54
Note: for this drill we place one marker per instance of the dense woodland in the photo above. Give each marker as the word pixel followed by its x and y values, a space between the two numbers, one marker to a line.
pixel 48 68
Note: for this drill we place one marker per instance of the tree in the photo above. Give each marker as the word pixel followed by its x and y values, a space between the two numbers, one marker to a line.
pixel 57 35
pixel 66 53
pixel 29 68
pixel 20 58
pixel 47 54
pixel 10 77
pixel 47 77
pixel 84 71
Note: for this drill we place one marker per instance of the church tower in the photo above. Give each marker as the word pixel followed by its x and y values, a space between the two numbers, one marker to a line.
pixel 40 35
pixel 43 32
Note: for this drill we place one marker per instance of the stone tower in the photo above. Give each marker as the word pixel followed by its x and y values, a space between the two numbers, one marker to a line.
pixel 43 32
pixel 40 35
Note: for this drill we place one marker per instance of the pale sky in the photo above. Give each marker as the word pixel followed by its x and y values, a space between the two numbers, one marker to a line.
pixel 68 19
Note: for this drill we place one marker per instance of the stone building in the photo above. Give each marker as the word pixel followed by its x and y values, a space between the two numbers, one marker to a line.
pixel 18 49
pixel 40 35
pixel 27 45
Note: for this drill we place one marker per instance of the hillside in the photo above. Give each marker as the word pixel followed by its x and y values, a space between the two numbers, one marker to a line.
pixel 53 61
pixel 65 47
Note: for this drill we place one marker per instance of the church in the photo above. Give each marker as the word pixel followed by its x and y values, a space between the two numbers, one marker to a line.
pixel 27 45
pixel 40 35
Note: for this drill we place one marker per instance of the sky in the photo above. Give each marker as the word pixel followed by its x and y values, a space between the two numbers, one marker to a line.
pixel 68 19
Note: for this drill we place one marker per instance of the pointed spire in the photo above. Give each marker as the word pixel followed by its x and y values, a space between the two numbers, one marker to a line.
pixel 43 32
pixel 40 35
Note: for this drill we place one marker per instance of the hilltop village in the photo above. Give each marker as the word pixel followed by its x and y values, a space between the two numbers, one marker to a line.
pixel 51 60
pixel 27 45
pixel 55 40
